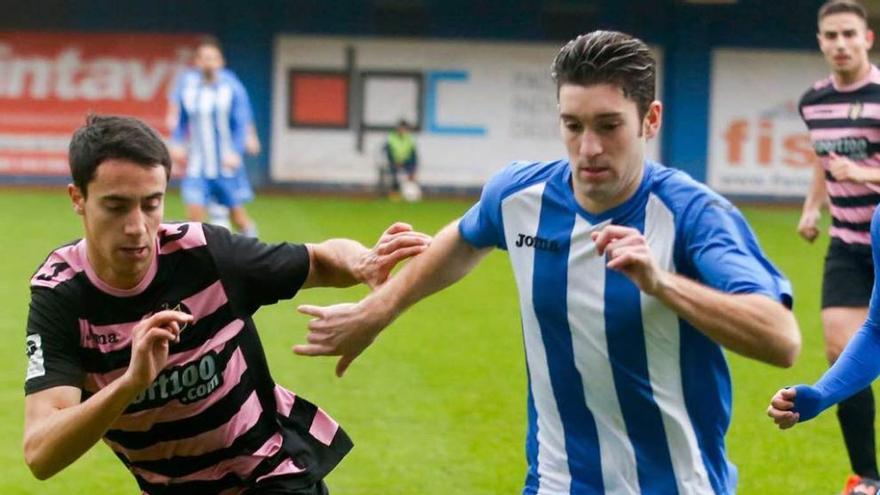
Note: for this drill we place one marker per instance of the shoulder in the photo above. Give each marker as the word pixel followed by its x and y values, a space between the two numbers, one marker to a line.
pixel 228 78
pixel 679 191
pixel 61 265
pixel 815 93
pixel 181 236
pixel 520 175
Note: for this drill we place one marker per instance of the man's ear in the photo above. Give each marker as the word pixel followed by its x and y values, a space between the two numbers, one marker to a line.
pixel 653 120
pixel 77 198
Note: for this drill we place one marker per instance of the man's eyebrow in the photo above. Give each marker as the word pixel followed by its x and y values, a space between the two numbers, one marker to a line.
pixel 603 115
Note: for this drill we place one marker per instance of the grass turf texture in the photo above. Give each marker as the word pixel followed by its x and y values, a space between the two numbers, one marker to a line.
pixel 437 404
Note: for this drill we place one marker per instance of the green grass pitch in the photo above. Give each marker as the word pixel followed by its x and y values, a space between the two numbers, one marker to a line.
pixel 437 404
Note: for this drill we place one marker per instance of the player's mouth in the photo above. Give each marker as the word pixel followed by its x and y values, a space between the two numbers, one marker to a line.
pixel 135 252
pixel 592 174
pixel 841 59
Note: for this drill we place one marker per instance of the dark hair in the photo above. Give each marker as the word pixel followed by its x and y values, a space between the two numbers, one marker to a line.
pixel 209 40
pixel 106 137
pixel 611 57
pixel 843 6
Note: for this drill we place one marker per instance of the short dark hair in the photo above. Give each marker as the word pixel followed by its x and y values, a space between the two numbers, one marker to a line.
pixel 106 137
pixel 209 40
pixel 602 57
pixel 842 6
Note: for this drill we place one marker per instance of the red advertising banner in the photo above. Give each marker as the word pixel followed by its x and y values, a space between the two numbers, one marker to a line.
pixel 49 82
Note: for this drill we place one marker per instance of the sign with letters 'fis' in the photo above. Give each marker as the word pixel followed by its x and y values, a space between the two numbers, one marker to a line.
pixel 759 145
pixel 49 82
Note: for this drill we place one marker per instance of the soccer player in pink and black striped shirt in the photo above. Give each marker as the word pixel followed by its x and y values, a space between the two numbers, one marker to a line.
pixel 842 113
pixel 141 334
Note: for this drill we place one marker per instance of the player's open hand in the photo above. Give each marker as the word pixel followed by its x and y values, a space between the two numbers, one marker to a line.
pixel 844 169
pixel 150 340
pixel 781 408
pixel 808 226
pixel 396 244
pixel 627 251
pixel 342 330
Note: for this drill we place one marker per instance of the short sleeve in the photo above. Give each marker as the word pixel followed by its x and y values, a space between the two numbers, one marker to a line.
pixel 725 252
pixel 245 110
pixel 482 225
pixel 254 273
pixel 52 343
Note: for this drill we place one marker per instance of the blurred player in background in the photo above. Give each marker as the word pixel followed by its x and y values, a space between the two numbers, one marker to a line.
pixel 213 118
pixel 142 334
pixel 844 125
pixel 631 278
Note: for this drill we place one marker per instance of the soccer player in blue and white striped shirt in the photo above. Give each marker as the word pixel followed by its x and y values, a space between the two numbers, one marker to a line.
pixel 631 276
pixel 215 122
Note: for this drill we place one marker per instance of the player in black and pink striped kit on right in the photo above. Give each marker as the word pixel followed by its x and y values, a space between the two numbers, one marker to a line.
pixel 141 334
pixel 842 113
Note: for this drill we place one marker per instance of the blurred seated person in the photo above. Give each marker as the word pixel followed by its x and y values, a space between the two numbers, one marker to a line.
pixel 400 148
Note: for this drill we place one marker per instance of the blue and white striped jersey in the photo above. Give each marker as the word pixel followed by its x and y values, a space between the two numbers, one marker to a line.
pixel 624 396
pixel 213 118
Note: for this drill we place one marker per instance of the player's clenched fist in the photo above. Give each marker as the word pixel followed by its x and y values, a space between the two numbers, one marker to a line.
pixel 627 251
pixel 150 341
pixel 781 408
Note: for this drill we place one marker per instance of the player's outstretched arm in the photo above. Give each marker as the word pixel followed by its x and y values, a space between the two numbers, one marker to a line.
pixel 343 262
pixel 59 428
pixel 347 329
pixel 749 324
pixel 854 370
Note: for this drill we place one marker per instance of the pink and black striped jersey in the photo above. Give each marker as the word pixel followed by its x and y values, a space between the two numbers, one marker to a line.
pixel 846 120
pixel 213 421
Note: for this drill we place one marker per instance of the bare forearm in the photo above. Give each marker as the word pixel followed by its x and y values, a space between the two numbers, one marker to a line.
pixel 446 261
pixel 870 175
pixel 335 263
pixel 749 324
pixel 817 194
pixel 59 438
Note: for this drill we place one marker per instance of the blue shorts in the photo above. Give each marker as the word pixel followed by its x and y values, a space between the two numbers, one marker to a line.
pixel 227 191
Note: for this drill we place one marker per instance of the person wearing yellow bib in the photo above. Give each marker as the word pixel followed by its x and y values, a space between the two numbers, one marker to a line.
pixel 400 148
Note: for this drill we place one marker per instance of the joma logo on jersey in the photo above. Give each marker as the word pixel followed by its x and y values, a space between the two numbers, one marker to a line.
pixel 536 242
pixel 110 338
